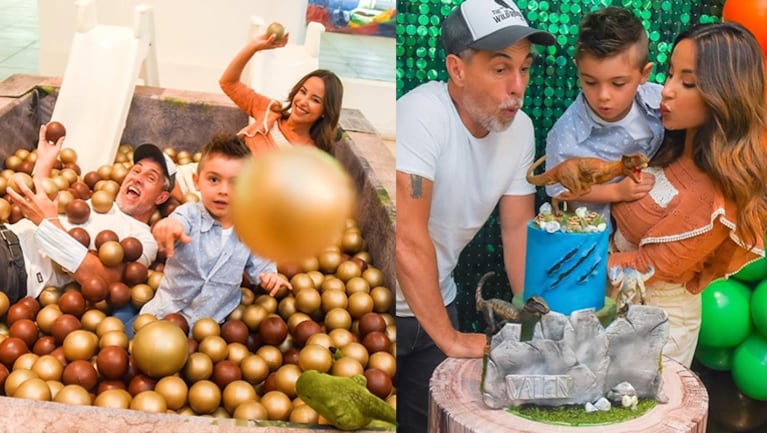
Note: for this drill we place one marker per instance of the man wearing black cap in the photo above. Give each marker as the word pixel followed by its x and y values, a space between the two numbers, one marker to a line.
pixel 463 147
pixel 39 247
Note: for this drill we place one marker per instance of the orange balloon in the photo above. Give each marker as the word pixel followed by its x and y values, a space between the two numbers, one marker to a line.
pixel 752 14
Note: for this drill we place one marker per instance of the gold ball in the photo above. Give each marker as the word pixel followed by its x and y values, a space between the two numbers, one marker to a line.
pixel 160 349
pixel 290 218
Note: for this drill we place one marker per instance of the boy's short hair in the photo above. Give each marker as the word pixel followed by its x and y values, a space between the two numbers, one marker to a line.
pixel 611 31
pixel 228 145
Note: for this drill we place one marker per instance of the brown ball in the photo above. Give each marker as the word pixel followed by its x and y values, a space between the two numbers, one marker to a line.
pixel 95 289
pixel 304 330
pixel 78 211
pixel 63 325
pixel 135 273
pixel 91 178
pixel 72 302
pixel 179 320
pixel 235 331
pixel 273 330
pixel 80 190
pixel 112 362
pixel 10 349
pixel 19 311
pixel 80 372
pixel 132 248
pixel 26 330
pixel 140 383
pixel 118 294
pixel 225 372
pixel 378 382
pixel 44 345
pixel 54 130
pixel 105 236
pixel 370 322
pixel 81 235
pixel 31 303
pixel 376 341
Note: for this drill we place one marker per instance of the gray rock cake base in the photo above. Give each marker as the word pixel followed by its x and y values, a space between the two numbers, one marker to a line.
pixel 575 360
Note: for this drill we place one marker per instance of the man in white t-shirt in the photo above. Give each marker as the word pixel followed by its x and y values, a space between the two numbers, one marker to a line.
pixel 34 243
pixel 463 147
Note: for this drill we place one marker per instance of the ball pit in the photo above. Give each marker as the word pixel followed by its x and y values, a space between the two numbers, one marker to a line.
pixel 147 401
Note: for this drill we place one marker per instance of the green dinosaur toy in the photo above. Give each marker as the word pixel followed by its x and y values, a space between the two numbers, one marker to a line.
pixel 344 401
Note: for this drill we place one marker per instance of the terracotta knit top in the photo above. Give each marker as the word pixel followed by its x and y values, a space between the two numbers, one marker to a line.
pixel 684 228
pixel 264 132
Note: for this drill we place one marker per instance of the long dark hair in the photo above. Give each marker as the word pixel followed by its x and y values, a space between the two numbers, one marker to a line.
pixel 325 129
pixel 730 147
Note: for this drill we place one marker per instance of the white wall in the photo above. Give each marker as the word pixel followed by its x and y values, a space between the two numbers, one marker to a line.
pixel 196 39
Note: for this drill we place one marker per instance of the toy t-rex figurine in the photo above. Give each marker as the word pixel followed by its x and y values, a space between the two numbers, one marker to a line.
pixel 498 312
pixel 578 175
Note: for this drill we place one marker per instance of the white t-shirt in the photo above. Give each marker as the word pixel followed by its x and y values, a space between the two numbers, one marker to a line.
pixel 43 272
pixel 469 174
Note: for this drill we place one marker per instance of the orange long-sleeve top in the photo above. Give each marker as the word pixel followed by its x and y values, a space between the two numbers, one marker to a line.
pixel 264 133
pixel 684 228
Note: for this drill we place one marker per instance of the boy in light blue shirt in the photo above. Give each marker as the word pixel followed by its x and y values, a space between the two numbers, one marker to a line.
pixel 205 259
pixel 617 111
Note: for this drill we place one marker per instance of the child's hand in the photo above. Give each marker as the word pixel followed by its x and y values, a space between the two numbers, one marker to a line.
pixel 166 232
pixel 628 190
pixel 35 206
pixel 273 282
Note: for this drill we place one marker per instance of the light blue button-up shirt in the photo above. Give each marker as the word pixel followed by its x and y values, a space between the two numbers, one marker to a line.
pixel 203 277
pixel 577 134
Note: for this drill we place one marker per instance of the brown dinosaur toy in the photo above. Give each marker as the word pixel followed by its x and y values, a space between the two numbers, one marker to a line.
pixel 579 174
pixel 498 312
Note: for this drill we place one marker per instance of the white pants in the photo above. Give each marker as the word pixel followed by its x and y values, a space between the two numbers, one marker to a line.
pixel 684 314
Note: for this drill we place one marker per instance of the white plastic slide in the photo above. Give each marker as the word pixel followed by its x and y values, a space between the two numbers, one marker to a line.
pixel 97 88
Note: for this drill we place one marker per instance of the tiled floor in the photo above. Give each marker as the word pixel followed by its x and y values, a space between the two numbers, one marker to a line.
pixel 19 37
pixel 353 56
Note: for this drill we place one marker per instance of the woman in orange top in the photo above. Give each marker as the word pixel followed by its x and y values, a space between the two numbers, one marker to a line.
pixel 704 219
pixel 310 116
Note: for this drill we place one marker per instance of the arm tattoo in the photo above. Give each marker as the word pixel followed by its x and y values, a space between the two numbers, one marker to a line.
pixel 416 182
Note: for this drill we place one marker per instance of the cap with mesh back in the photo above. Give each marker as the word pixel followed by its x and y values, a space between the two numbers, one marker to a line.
pixel 489 25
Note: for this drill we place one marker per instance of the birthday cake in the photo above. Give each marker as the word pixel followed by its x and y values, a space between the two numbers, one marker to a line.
pixel 573 358
pixel 567 259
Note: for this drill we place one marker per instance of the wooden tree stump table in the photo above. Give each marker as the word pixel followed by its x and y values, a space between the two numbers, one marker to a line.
pixel 456 406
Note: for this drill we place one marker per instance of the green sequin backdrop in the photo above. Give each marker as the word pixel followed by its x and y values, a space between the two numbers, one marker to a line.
pixel 553 85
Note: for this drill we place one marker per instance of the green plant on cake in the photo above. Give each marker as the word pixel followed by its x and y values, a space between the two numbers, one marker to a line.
pixel 580 221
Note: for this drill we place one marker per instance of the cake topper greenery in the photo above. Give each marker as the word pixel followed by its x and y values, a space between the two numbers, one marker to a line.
pixel 580 221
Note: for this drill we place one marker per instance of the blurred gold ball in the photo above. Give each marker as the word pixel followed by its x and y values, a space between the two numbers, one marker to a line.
pixel 292 203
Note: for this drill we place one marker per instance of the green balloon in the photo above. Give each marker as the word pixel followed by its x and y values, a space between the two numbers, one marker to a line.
pixel 754 271
pixel 726 320
pixel 749 367
pixel 759 308
pixel 715 358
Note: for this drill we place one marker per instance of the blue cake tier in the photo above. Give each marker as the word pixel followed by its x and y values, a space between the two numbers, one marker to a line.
pixel 568 270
